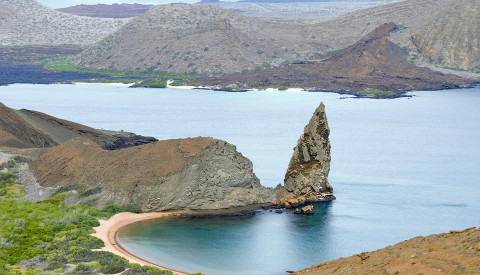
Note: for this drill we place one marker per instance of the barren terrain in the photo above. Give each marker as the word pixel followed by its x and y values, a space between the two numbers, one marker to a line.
pixel 372 63
pixel 457 252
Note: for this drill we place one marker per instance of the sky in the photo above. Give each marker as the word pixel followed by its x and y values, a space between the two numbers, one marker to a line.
pixel 66 3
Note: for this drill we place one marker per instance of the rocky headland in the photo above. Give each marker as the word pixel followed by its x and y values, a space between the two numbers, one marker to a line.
pixel 457 252
pixel 197 173
pixel 104 167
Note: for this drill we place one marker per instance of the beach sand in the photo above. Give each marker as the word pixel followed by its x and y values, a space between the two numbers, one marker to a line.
pixel 108 229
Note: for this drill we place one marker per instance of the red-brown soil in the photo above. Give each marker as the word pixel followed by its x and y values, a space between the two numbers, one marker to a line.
pixel 457 252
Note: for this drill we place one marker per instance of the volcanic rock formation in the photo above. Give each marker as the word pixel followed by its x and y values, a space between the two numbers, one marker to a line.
pixel 196 173
pixel 372 62
pixel 307 173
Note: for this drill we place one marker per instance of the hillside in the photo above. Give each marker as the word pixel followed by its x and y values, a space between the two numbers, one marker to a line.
pixel 305 11
pixel 452 39
pixel 108 11
pixel 31 129
pixel 207 39
pixel 27 22
pixel 457 252
pixel 372 63
pixel 198 39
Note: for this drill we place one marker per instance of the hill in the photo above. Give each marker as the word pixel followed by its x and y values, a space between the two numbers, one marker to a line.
pixel 457 252
pixel 27 22
pixel 206 39
pixel 372 63
pixel 451 39
pixel 198 39
pixel 108 11
pixel 31 129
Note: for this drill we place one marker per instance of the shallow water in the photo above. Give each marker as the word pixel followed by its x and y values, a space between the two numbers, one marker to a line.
pixel 400 168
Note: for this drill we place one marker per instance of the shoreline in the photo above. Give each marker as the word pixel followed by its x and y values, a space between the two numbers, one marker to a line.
pixel 107 230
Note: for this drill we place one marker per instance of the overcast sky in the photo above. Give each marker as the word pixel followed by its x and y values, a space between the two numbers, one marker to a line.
pixel 67 3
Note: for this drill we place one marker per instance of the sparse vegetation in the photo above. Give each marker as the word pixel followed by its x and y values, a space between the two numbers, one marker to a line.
pixel 377 93
pixel 49 235
pixel 150 83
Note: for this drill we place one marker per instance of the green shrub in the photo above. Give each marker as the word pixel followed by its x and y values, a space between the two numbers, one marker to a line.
pixel 91 191
pixel 150 83
pixel 377 93
pixel 176 84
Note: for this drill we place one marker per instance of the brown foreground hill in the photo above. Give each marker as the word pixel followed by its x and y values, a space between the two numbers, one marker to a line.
pixel 31 129
pixel 457 252
pixel 372 63
pixel 123 168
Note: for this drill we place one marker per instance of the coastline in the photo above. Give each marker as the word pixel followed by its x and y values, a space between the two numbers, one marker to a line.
pixel 107 232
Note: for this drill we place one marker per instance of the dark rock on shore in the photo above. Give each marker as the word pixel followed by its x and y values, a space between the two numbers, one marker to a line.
pixel 372 63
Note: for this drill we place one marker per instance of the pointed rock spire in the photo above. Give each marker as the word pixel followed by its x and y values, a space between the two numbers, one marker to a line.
pixel 310 163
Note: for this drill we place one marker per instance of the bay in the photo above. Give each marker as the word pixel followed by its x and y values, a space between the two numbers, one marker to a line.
pixel 400 168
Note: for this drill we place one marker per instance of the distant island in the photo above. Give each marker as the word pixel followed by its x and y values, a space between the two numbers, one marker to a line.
pixel 214 47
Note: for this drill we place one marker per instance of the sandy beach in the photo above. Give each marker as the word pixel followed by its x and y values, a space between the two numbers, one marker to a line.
pixel 108 229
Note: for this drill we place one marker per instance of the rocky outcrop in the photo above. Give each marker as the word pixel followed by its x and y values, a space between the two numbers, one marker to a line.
pixel 197 173
pixel 306 210
pixel 307 174
pixel 457 252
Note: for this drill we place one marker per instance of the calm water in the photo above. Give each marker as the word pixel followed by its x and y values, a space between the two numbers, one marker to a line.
pixel 400 168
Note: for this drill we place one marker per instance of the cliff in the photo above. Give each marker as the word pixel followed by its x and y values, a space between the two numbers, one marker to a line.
pixel 306 178
pixel 197 173
pixel 457 252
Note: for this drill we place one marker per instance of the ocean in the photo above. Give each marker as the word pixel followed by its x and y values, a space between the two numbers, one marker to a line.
pixel 400 168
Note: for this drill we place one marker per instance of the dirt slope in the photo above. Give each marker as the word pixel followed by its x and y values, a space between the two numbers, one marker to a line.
pixel 372 62
pixel 30 23
pixel 31 129
pixel 16 132
pixel 449 253
pixel 451 39
pixel 198 39
pixel 207 39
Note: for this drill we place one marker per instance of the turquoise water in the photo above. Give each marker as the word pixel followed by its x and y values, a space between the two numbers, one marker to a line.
pixel 400 168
